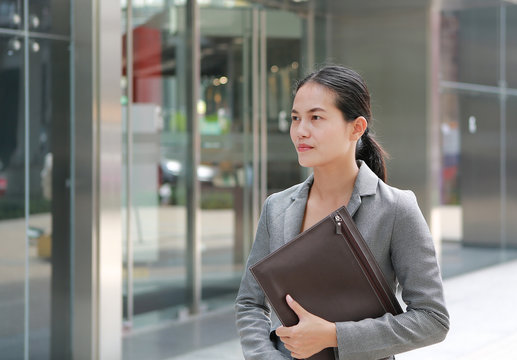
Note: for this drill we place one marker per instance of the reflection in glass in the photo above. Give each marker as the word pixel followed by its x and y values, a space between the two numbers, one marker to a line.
pixel 469 42
pixel 49 231
pixel 511 45
pixel 11 14
pixel 50 17
pixel 12 199
pixel 156 109
pixel 475 204
pixel 224 117
pixel 450 132
pixel 479 218
pixel 511 170
pixel 284 54
pixel 157 181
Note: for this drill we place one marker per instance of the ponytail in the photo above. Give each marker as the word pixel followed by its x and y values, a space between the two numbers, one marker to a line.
pixel 372 153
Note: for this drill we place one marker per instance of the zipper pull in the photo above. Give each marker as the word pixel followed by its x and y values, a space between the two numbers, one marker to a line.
pixel 338 224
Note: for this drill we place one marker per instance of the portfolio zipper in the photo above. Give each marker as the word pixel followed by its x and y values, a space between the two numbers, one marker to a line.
pixel 339 221
pixel 381 293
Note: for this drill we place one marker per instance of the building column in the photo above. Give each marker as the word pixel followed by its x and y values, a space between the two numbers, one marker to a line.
pixel 96 180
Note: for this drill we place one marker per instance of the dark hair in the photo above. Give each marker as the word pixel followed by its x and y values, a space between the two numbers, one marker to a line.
pixel 353 100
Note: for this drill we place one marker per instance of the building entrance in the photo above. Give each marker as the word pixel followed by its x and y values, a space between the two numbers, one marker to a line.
pixel 250 57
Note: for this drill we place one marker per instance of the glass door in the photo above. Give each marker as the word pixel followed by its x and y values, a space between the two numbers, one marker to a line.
pixel 228 58
pixel 249 60
pixel 155 138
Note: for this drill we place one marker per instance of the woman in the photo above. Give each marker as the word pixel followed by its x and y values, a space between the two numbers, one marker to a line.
pixel 330 131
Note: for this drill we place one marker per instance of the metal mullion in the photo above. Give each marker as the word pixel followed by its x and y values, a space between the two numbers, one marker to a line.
pixel 129 160
pixel 263 110
pixel 27 174
pixel 310 36
pixel 434 148
pixel 502 105
pixel 255 115
pixel 96 171
pixel 477 88
pixel 455 85
pixel 193 158
pixel 72 174
pixel 26 32
pixel 246 138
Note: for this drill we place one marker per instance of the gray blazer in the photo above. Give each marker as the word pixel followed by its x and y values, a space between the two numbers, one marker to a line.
pixel 394 228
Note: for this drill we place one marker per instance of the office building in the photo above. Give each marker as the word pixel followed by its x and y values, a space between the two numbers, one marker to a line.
pixel 138 140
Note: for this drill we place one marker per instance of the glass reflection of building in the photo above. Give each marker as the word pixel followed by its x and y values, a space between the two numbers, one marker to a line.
pixel 138 141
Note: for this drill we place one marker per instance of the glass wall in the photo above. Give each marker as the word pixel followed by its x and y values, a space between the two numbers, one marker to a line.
pixel 287 61
pixel 250 57
pixel 477 93
pixel 225 112
pixel 12 196
pixel 154 113
pixel 34 180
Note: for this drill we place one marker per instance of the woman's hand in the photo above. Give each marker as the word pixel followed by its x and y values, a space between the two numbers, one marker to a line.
pixel 311 335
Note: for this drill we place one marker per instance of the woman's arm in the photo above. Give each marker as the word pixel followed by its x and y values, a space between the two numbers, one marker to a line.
pixel 426 320
pixel 252 312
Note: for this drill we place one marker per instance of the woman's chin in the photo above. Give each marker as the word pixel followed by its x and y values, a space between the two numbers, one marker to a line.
pixel 305 163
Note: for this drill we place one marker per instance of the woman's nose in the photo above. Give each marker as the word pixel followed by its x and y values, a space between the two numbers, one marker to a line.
pixel 302 130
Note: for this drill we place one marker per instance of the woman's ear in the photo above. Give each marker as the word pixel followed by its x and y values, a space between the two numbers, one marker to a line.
pixel 359 126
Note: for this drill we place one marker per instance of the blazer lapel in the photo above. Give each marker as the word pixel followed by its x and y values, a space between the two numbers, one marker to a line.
pixel 294 214
pixel 353 204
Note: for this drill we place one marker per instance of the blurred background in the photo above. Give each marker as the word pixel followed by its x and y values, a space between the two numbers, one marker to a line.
pixel 138 140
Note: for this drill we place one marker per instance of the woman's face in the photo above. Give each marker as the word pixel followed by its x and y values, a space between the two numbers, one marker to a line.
pixel 319 131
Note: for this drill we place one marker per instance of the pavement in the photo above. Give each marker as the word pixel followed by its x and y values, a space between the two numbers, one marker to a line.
pixel 482 306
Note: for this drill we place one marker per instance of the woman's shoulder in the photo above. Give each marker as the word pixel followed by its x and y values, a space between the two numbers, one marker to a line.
pixel 400 198
pixel 282 199
pixel 384 195
pixel 285 195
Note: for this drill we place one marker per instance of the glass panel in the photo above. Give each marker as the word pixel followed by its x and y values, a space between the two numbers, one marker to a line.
pixel 321 39
pixel 479 241
pixel 11 14
pixel 49 226
pixel 511 46
pixel 284 56
pixel 225 121
pixel 50 17
pixel 158 196
pixel 470 46
pixel 511 169
pixel 450 142
pixel 12 198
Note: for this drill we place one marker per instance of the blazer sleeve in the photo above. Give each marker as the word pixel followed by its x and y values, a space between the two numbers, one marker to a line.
pixel 426 320
pixel 252 311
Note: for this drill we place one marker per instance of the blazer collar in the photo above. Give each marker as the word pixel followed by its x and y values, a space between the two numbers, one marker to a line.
pixel 365 185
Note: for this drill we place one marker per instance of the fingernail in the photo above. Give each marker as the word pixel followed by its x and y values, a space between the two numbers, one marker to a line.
pixel 289 298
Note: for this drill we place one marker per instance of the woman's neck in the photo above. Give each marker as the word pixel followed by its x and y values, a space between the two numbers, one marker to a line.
pixel 334 184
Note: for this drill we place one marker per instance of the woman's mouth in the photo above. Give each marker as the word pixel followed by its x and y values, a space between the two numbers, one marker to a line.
pixel 303 147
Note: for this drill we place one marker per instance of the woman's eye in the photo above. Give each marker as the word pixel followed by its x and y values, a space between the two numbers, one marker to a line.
pixel 316 117
pixel 294 118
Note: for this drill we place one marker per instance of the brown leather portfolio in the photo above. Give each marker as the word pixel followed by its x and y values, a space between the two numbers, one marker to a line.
pixel 331 272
